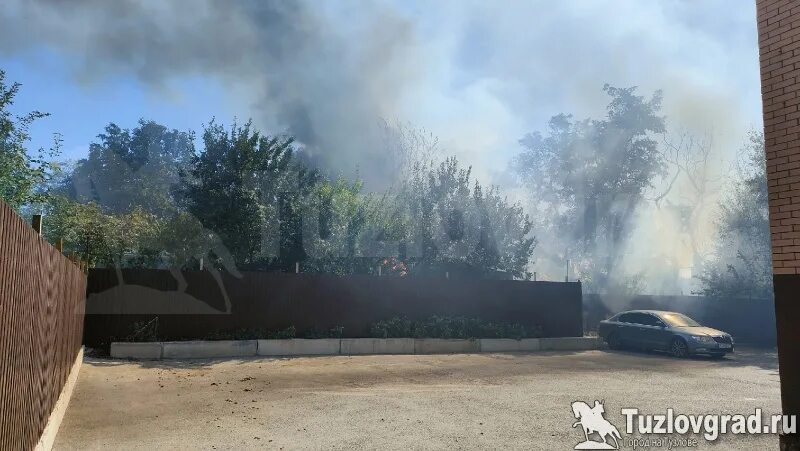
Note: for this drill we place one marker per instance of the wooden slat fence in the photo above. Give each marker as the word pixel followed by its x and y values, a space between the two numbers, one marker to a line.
pixel 42 296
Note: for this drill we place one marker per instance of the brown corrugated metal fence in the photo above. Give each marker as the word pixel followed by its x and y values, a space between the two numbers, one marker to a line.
pixel 117 301
pixel 41 325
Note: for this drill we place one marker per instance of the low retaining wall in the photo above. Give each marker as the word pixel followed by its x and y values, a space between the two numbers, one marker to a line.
pixel 343 346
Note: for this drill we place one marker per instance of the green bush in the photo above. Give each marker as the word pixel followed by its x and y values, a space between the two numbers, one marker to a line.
pixel 144 331
pixel 289 332
pixel 450 327
pixel 335 332
pixel 252 333
pixel 396 327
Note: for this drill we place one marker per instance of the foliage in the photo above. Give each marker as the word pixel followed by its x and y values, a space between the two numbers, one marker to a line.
pixel 450 327
pixel 451 220
pixel 334 332
pixel 224 188
pixel 289 332
pixel 253 333
pixel 144 197
pixel 130 169
pixel 102 239
pixel 587 177
pixel 144 331
pixel 21 176
pixel 742 266
pixel 334 217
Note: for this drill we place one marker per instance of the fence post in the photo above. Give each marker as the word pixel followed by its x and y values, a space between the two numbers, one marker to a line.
pixel 36 223
pixel 60 245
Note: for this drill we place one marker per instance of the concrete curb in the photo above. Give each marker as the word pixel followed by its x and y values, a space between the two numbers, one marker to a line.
pixel 343 346
pixel 510 345
pixel 445 346
pixel 50 431
pixel 209 349
pixel 139 351
pixel 360 346
pixel 299 346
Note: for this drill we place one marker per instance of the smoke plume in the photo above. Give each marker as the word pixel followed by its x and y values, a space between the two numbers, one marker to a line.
pixel 478 75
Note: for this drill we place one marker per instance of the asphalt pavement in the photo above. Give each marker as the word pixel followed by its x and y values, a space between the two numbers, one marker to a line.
pixel 466 401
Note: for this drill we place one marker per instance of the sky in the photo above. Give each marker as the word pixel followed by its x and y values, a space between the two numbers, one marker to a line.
pixel 475 75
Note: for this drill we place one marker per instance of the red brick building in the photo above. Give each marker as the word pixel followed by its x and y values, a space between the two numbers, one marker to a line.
pixel 779 45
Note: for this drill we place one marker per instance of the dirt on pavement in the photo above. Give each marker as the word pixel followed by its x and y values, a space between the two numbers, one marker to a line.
pixel 465 401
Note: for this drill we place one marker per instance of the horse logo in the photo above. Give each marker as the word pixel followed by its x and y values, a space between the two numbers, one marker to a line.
pixel 592 421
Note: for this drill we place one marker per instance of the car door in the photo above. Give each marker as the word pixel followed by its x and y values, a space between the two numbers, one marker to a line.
pixel 628 329
pixel 635 334
pixel 652 332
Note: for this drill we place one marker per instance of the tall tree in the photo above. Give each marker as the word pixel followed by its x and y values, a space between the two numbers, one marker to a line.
pixel 138 168
pixel 742 264
pixel 21 175
pixel 224 188
pixel 587 177
pixel 454 221
pixel 102 239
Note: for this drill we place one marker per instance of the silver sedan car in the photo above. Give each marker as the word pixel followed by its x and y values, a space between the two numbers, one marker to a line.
pixel 664 331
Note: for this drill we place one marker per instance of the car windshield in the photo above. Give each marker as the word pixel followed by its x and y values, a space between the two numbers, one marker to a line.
pixel 678 320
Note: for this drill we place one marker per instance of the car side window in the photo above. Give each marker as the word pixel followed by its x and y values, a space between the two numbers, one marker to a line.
pixel 625 318
pixel 638 318
pixel 649 320
pixel 630 318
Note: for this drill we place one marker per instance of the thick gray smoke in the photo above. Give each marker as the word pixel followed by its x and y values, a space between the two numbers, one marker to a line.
pixel 478 75
pixel 295 70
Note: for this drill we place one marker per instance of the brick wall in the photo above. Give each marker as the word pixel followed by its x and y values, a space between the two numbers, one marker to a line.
pixel 779 45
pixel 779 42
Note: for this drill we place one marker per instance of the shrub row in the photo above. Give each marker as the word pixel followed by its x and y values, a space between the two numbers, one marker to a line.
pixel 450 327
pixel 397 327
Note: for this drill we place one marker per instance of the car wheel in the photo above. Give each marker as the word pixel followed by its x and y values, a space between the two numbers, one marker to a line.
pixel 678 348
pixel 614 342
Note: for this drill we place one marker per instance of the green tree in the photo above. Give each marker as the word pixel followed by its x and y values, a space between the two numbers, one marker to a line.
pixel 21 175
pixel 742 264
pixel 225 185
pixel 336 216
pixel 101 239
pixel 131 169
pixel 587 177
pixel 455 222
